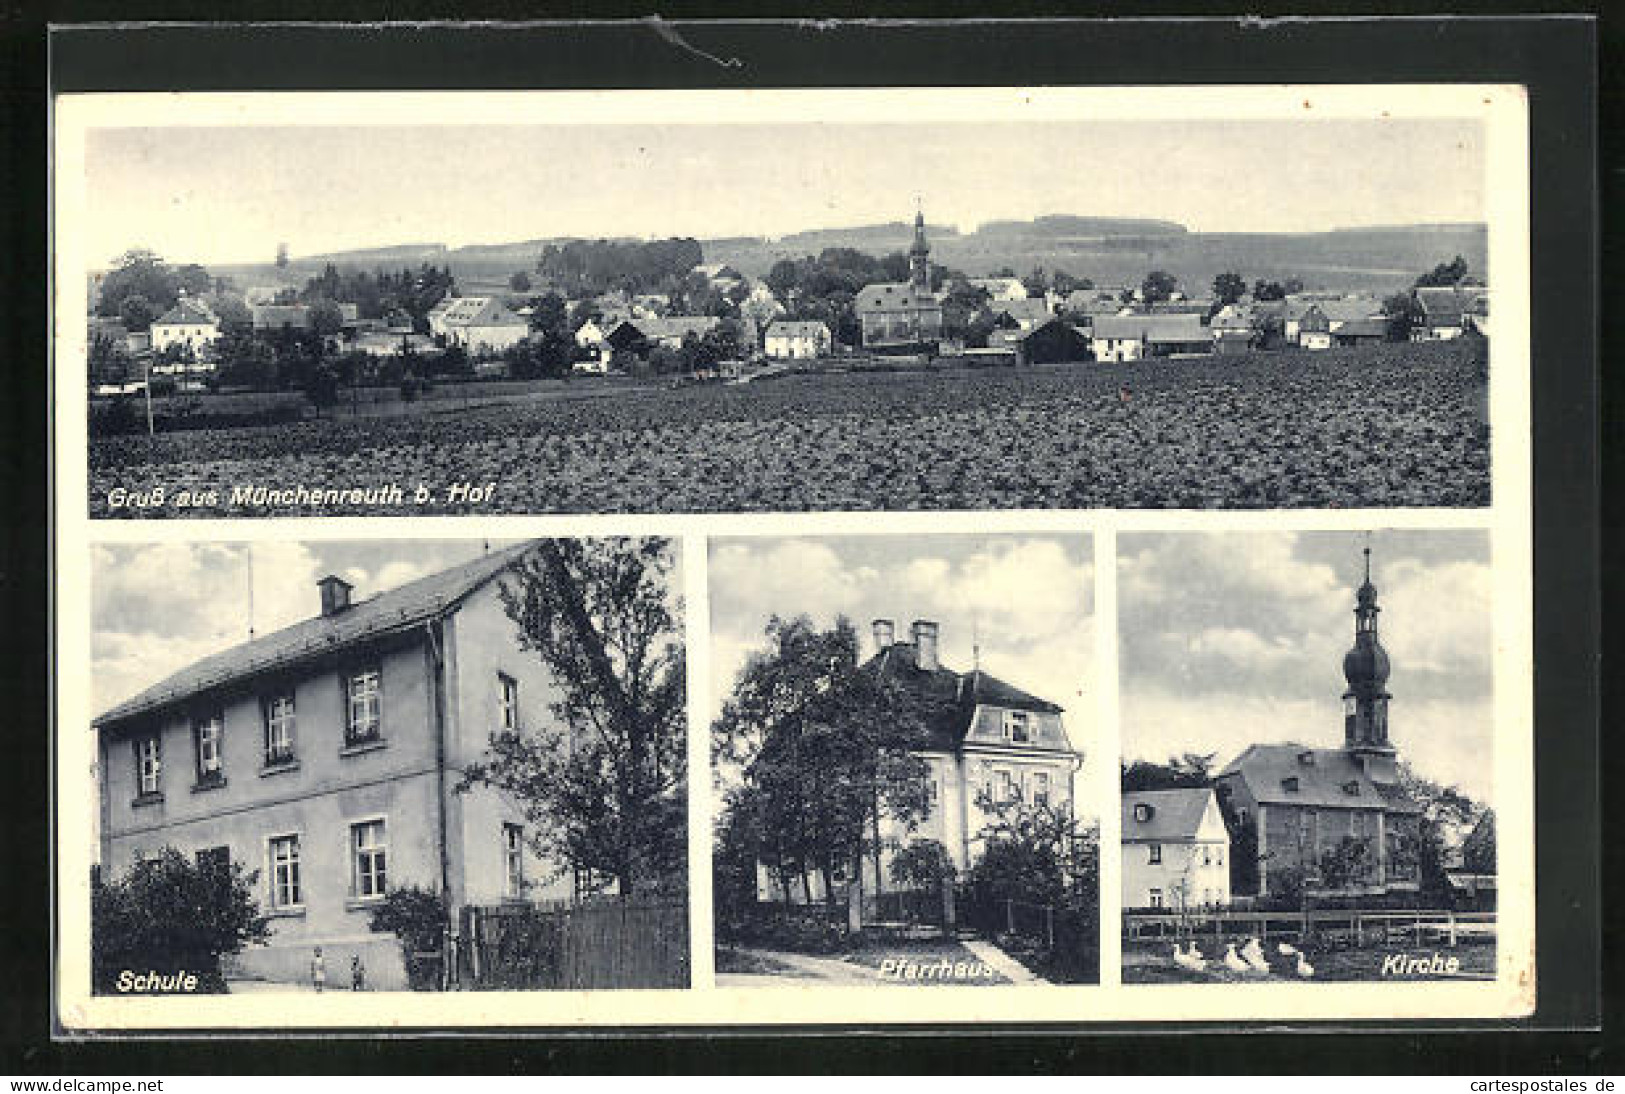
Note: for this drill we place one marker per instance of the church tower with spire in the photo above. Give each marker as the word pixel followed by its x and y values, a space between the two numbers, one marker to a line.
pixel 1365 703
pixel 919 256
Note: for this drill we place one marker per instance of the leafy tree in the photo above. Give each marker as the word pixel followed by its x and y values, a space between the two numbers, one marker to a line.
pixel 826 748
pixel 1403 313
pixel 1443 808
pixel 1036 283
pixel 1228 288
pixel 326 317
pixel 922 864
pixel 230 309
pixel 246 361
pixel 1350 863
pixel 1445 274
pixel 1293 285
pixel 1065 283
pixel 1478 849
pixel 137 313
pixel 603 780
pixel 520 281
pixel 168 915
pixel 418 918
pixel 1158 286
pixel 1191 769
pixel 1268 290
pixel 322 387
pixel 108 362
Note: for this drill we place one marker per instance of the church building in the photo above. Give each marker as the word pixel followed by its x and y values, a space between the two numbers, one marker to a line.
pixel 1302 803
pixel 906 316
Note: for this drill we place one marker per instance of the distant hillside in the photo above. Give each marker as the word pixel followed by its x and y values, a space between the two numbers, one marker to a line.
pixel 1108 250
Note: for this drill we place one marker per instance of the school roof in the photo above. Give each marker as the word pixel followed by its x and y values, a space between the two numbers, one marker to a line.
pixel 390 612
pixel 893 295
pixel 477 311
pixel 1179 327
pixel 186 313
pixel 1325 778
pixel 797 328
pixel 1027 312
pixel 1375 327
pixel 1175 815
pixel 675 326
pixel 953 696
pixel 280 315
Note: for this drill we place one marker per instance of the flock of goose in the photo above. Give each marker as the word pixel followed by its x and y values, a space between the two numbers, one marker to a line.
pixel 1249 960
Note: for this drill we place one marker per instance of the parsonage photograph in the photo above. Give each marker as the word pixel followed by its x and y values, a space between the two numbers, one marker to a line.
pixel 373 766
pixel 854 302
pixel 903 754
pixel 1307 777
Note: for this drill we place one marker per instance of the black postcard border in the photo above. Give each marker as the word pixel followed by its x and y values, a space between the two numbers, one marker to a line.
pixel 1554 56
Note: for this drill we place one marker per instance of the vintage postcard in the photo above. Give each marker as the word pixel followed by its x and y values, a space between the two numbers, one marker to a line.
pixel 576 560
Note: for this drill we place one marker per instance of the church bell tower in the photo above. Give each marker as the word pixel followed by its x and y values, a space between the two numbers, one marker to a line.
pixel 1365 703
pixel 919 256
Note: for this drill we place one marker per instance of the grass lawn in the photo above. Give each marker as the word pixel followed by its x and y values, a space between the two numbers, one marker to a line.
pixel 1153 964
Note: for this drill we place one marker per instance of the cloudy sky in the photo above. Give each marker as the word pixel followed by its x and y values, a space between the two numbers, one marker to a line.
pixel 231 194
pixel 1027 600
pixel 1230 640
pixel 155 608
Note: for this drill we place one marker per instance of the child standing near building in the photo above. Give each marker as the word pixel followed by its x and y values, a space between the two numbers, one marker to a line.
pixel 358 974
pixel 318 970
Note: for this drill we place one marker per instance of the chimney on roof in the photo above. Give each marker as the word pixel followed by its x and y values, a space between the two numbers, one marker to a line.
pixel 335 594
pixel 885 634
pixel 925 645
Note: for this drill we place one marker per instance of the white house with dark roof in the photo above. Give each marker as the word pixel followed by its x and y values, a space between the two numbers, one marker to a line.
pixel 789 339
pixel 325 757
pixel 1176 850
pixel 988 742
pixel 1137 336
pixel 189 324
pixel 479 324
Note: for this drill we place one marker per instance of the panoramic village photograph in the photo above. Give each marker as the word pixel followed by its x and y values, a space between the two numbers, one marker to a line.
pixel 902 742
pixel 1157 313
pixel 388 765
pixel 1307 772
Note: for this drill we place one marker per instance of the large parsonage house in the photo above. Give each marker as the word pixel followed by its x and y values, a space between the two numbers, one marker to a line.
pixel 325 757
pixel 989 744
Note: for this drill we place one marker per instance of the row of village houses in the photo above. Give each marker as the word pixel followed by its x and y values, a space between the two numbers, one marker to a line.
pixel 1103 324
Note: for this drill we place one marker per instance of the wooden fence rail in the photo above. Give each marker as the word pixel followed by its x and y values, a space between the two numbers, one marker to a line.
pixel 612 944
pixel 1435 925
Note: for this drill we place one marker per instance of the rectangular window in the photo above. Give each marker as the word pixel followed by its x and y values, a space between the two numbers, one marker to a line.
pixel 513 853
pixel 1154 898
pixel 508 701
pixel 1017 727
pixel 213 858
pixel 279 730
pixel 209 733
pixel 1041 788
pixel 285 891
pixel 1004 786
pixel 371 871
pixel 1218 855
pixel 149 764
pixel 1155 851
pixel 363 721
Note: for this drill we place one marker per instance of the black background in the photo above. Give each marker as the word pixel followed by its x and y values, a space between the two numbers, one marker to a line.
pixel 1554 56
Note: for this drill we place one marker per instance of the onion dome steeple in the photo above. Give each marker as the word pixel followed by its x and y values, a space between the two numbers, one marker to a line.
pixel 919 261
pixel 1365 667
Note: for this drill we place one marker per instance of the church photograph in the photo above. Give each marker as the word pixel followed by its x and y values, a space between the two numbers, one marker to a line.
pixel 906 780
pixel 1307 760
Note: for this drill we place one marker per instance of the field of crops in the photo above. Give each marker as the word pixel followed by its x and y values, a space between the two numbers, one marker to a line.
pixel 1392 425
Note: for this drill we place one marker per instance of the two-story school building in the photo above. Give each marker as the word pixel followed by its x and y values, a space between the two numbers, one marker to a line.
pixel 326 757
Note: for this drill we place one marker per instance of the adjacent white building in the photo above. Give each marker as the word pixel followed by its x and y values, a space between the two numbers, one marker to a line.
pixel 1176 850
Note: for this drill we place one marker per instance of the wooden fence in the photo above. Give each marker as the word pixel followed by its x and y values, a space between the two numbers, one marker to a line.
pixel 607 944
pixel 1351 927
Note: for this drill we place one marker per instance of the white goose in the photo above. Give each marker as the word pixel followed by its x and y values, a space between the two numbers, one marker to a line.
pixel 1287 949
pixel 1194 961
pixel 1305 969
pixel 1253 954
pixel 1231 961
